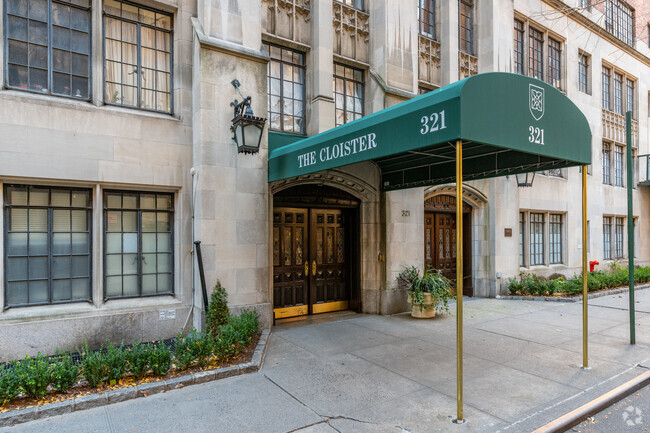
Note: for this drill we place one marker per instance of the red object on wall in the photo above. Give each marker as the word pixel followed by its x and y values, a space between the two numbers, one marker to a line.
pixel 592 265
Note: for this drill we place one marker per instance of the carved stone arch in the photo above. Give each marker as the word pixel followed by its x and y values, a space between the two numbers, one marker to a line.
pixel 471 196
pixel 338 179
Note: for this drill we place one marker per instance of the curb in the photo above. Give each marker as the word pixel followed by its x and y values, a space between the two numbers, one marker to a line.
pixel 115 396
pixel 575 417
pixel 573 298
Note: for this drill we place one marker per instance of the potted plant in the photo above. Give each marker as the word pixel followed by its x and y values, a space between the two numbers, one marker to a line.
pixel 428 292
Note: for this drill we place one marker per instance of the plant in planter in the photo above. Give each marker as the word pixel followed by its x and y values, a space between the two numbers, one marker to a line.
pixel 428 292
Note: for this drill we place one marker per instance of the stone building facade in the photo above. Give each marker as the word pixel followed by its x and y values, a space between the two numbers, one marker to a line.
pixel 116 154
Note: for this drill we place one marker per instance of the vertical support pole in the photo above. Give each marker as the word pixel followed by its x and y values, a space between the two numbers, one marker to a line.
pixel 585 291
pixel 630 221
pixel 459 282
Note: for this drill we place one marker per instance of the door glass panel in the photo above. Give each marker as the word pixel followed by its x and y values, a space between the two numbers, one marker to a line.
pixel 319 245
pixel 340 245
pixel 287 246
pixel 276 246
pixel 299 233
pixel 330 245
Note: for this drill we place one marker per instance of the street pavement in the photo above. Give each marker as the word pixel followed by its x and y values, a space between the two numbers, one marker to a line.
pixel 347 372
pixel 630 415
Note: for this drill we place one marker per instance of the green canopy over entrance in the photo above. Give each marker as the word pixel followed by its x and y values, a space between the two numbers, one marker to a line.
pixel 508 124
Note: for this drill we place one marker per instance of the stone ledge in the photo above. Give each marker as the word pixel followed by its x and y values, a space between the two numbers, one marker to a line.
pixel 574 298
pixel 96 400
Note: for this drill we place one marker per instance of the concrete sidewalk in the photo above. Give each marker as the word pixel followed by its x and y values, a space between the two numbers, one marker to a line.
pixel 362 373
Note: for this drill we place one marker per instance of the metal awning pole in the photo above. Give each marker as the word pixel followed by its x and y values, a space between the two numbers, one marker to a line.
pixel 585 294
pixel 630 221
pixel 459 282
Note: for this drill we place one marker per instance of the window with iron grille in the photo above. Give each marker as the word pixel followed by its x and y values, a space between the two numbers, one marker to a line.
pixel 466 26
pixel 427 18
pixel 138 244
pixel 618 165
pixel 47 46
pixel 536 54
pixel 286 83
pixel 583 72
pixel 348 93
pixel 618 93
pixel 47 245
pixel 607 180
pixel 619 20
pixel 618 240
pixel 607 238
pixel 536 239
pixel 555 239
pixel 606 76
pixel 629 96
pixel 522 229
pixel 358 4
pixel 554 63
pixel 137 57
pixel 519 47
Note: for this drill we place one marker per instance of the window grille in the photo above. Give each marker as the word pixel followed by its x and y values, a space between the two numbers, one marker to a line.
pixel 629 99
pixel 555 238
pixel 583 73
pixel 466 26
pixel 427 18
pixel 137 57
pixel 618 165
pixel 536 54
pixel 348 93
pixel 47 47
pixel 536 239
pixel 519 47
pixel 607 238
pixel 47 245
pixel 286 84
pixel 619 20
pixel 618 93
pixel 607 164
pixel 605 88
pixel 618 241
pixel 554 63
pixel 138 244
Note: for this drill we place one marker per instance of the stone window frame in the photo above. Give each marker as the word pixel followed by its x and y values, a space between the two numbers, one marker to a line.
pixel 615 236
pixel 357 4
pixel 608 92
pixel 545 259
pixel 50 232
pixel 619 165
pixel 544 39
pixel 619 20
pixel 345 80
pixel 428 9
pixel 54 19
pixel 519 44
pixel 303 98
pixel 607 237
pixel 138 209
pixel 584 72
pixel 466 33
pixel 606 152
pixel 140 23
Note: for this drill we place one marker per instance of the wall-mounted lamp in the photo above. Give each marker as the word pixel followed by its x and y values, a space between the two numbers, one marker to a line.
pixel 246 128
pixel 525 179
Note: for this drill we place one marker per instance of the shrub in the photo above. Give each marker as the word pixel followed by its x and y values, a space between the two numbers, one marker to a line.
pixel 9 386
pixel 34 376
pixel 183 354
pixel 138 357
pixel 64 373
pixel 195 347
pixel 160 359
pixel 217 313
pixel 94 367
pixel 236 333
pixel 116 362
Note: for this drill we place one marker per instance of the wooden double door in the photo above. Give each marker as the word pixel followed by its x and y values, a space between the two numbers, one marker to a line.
pixel 310 261
pixel 440 237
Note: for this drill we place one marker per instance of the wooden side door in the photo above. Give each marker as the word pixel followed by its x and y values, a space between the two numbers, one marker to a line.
pixel 290 262
pixel 328 280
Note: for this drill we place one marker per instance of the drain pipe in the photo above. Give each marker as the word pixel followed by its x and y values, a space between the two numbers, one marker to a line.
pixel 195 177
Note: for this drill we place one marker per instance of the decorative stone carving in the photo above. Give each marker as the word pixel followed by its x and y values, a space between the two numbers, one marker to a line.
pixel 289 19
pixel 614 128
pixel 351 32
pixel 429 61
pixel 467 65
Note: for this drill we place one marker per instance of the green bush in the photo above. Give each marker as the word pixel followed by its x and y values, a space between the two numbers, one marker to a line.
pixel 217 313
pixel 9 385
pixel 34 376
pixel 64 373
pixel 94 367
pixel 236 333
pixel 160 359
pixel 138 357
pixel 195 347
pixel 116 362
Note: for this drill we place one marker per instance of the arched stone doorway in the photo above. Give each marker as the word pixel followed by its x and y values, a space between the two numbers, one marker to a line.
pixel 324 245
pixel 440 235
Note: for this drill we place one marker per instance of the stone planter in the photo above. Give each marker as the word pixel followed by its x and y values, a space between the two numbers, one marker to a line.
pixel 427 311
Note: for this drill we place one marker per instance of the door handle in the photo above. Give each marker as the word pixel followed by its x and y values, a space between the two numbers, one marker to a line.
pixel 306 268
pixel 313 268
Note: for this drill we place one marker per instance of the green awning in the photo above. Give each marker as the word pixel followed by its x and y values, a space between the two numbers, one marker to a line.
pixel 508 124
